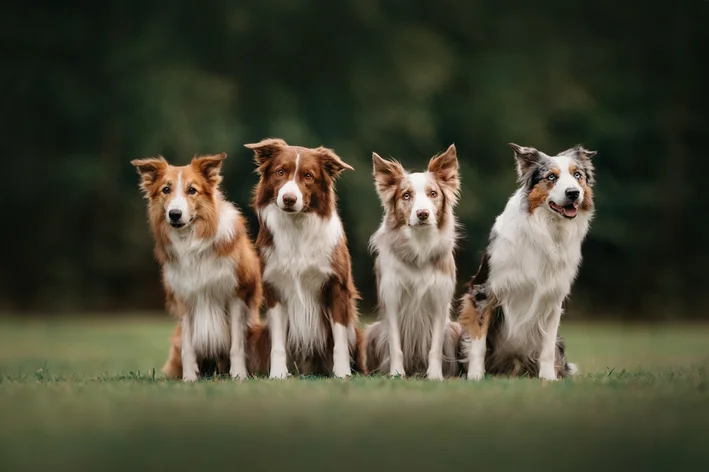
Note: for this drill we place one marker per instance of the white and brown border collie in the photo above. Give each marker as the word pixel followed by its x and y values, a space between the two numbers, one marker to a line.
pixel 211 272
pixel 415 269
pixel 513 306
pixel 307 274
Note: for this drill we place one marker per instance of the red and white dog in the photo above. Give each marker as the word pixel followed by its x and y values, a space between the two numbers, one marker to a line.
pixel 415 269
pixel 211 272
pixel 307 273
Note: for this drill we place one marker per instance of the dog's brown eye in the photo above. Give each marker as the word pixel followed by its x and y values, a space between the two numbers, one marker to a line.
pixel 191 191
pixel 434 194
pixel 166 190
pixel 280 172
pixel 309 176
pixel 406 196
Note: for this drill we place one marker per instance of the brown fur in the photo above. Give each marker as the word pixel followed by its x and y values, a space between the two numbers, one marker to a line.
pixel 538 196
pixel 203 176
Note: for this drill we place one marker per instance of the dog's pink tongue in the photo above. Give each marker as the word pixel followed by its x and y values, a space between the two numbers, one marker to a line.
pixel 570 211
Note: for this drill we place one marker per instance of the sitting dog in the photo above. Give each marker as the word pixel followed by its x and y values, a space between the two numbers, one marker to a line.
pixel 513 305
pixel 307 271
pixel 211 272
pixel 415 269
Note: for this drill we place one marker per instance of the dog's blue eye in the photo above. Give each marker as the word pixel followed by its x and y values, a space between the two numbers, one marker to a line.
pixel 551 177
pixel 166 190
pixel 406 196
pixel 577 175
pixel 191 191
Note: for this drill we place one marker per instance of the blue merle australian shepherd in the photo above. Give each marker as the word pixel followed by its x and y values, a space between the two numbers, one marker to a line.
pixel 513 305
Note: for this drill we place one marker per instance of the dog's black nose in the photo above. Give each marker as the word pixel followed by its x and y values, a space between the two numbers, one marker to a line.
pixel 289 199
pixel 174 215
pixel 572 194
pixel 422 215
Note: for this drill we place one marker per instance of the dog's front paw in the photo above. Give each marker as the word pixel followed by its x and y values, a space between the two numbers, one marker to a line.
pixel 342 371
pixel 435 370
pixel 434 374
pixel 397 371
pixel 189 376
pixel 547 372
pixel 279 372
pixel 476 375
pixel 476 370
pixel 238 374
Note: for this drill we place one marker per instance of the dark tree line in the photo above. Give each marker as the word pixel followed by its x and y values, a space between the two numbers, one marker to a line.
pixel 86 87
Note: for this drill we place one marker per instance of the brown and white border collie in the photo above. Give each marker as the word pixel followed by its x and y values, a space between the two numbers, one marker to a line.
pixel 211 272
pixel 415 269
pixel 513 306
pixel 307 275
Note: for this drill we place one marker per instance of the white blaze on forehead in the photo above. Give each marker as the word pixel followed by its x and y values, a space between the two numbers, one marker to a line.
pixel 179 200
pixel 566 180
pixel 291 187
pixel 422 200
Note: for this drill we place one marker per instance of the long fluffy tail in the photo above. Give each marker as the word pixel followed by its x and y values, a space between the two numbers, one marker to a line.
pixel 572 369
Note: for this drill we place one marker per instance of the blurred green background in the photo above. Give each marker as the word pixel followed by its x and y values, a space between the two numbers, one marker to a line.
pixel 86 87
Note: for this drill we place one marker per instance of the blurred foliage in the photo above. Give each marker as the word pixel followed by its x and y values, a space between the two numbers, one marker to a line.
pixel 89 86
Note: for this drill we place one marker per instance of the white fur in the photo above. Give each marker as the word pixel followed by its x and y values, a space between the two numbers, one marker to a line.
pixel 298 265
pixel 422 199
pixel 416 298
pixel 291 187
pixel 188 354
pixel 341 352
pixel 179 202
pixel 533 262
pixel 238 314
pixel 476 358
pixel 277 319
pixel 207 284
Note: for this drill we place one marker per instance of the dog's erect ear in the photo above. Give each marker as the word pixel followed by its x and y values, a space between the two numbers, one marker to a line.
pixel 265 150
pixel 445 168
pixel 210 167
pixel 149 170
pixel 527 158
pixel 581 152
pixel 387 177
pixel 331 162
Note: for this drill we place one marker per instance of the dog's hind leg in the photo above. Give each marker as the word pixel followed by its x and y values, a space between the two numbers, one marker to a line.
pixel 564 368
pixel 476 312
pixel 173 367
pixel 451 345
pixel 376 347
pixel 476 322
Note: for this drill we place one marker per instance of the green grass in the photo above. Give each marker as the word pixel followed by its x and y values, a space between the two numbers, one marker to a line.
pixel 88 395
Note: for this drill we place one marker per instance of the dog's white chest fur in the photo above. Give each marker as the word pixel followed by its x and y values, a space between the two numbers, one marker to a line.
pixel 534 260
pixel 421 292
pixel 205 282
pixel 298 264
